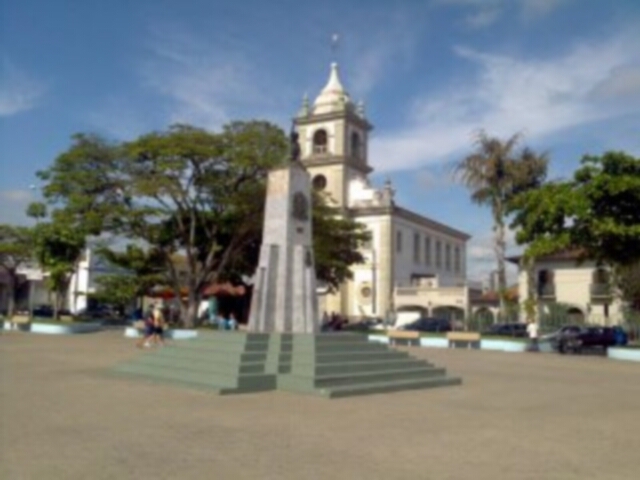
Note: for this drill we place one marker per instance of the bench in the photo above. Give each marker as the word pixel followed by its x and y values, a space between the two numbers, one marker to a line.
pixel 19 322
pixel 412 338
pixel 467 339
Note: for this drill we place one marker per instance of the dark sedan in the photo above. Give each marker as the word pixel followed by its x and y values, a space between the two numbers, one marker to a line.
pixel 428 324
pixel 507 330
pixel 577 340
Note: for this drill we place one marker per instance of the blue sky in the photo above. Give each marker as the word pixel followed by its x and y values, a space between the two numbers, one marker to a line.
pixel 566 73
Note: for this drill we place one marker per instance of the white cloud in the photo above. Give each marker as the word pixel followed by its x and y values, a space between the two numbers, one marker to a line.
pixel 433 178
pixel 509 94
pixel 481 255
pixel 486 12
pixel 622 83
pixel 13 205
pixel 204 86
pixel 538 8
pixel 19 92
pixel 374 53
pixel 483 18
pixel 118 118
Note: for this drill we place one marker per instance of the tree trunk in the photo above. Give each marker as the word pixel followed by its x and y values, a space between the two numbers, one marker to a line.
pixel 56 305
pixel 500 249
pixel 11 305
pixel 531 302
pixel 190 311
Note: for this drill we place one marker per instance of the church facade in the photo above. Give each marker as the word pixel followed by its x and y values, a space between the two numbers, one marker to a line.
pixel 407 250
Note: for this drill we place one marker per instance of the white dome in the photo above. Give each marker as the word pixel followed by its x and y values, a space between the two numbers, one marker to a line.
pixel 333 96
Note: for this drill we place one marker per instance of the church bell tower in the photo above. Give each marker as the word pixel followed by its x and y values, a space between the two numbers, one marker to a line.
pixel 333 134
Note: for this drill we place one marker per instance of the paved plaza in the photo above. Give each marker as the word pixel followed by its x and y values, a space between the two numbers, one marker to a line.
pixel 517 416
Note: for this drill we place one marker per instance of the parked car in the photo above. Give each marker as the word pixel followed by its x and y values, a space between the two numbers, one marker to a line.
pixel 43 311
pixel 428 324
pixel 507 330
pixel 364 325
pixel 553 336
pixel 572 340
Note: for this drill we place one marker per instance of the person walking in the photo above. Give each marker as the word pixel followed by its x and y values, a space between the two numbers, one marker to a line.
pixel 532 331
pixel 149 330
pixel 158 326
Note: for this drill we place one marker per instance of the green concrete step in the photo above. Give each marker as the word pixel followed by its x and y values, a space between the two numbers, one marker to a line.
pixel 212 356
pixel 340 347
pixel 231 347
pixel 388 387
pixel 325 338
pixel 311 368
pixel 253 382
pixel 364 356
pixel 295 382
pixel 201 365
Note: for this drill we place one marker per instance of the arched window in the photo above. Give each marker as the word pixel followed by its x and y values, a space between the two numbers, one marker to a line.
pixel 320 141
pixel 355 145
pixel 319 182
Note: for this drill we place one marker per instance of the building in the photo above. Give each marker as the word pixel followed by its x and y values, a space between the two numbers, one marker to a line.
pixel 581 288
pixel 32 287
pixel 407 250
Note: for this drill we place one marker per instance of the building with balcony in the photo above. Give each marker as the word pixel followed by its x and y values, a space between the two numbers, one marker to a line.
pixel 406 249
pixel 582 287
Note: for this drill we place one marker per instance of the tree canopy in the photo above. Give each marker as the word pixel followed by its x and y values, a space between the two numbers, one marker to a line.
pixel 191 194
pixel 16 244
pixel 595 212
pixel 494 173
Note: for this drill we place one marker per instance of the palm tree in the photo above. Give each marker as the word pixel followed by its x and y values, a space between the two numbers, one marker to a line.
pixel 494 173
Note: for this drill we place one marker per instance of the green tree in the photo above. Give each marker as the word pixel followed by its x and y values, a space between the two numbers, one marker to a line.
pixel 58 248
pixel 186 194
pixel 16 250
pixel 627 282
pixel 596 212
pixel 495 173
pixel 141 269
pixel 337 242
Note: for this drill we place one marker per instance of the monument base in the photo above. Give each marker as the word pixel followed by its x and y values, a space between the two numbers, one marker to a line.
pixel 331 365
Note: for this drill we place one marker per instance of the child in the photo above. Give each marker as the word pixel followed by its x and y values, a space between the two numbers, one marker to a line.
pixel 149 330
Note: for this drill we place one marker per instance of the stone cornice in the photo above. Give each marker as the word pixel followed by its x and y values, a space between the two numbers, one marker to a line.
pixel 325 160
pixel 412 217
pixel 344 114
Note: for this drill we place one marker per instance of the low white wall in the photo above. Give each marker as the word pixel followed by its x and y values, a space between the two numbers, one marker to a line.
pixel 54 329
pixel 177 334
pixel 627 354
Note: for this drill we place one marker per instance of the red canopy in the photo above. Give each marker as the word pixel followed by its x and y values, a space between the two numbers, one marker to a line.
pixel 214 289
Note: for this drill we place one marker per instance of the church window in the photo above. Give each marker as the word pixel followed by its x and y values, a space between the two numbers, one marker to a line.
pixel 416 247
pixel 447 257
pixel 438 254
pixel 456 259
pixel 427 250
pixel 355 145
pixel 320 141
pixel 319 182
pixel 399 241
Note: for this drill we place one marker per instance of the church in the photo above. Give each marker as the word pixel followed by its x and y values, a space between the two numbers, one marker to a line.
pixel 406 248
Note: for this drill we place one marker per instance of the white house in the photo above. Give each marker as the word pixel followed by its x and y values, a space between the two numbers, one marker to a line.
pixel 33 289
pixel 583 288
pixel 406 249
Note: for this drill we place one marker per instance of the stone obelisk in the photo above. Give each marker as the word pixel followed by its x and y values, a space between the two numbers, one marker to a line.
pixel 284 295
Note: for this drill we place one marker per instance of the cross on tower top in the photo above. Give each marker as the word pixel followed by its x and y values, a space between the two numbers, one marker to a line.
pixel 334 45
